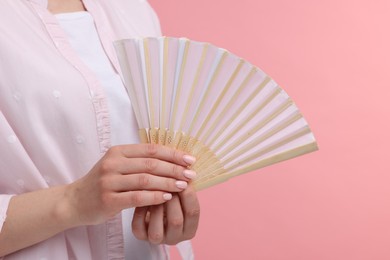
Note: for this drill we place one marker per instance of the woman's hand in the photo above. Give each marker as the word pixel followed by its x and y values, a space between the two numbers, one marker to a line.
pixel 128 176
pixel 169 223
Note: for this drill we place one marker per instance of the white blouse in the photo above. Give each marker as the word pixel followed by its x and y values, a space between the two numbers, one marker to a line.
pixel 83 36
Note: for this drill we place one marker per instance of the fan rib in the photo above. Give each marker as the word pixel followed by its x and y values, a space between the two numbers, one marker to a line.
pixel 164 83
pixel 179 85
pixel 267 149
pixel 149 81
pixel 251 116
pixel 141 93
pixel 289 154
pixel 271 132
pixel 207 91
pixel 194 84
pixel 279 110
pixel 220 98
pixel 242 107
pixel 245 120
pixel 241 88
pixel 163 97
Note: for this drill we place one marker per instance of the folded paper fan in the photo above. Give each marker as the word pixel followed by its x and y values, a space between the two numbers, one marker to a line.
pixel 204 100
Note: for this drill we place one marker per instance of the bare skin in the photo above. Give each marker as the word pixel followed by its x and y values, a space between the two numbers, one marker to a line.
pixel 61 6
pixel 127 176
pixel 149 177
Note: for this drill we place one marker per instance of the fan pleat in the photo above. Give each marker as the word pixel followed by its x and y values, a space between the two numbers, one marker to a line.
pixel 201 99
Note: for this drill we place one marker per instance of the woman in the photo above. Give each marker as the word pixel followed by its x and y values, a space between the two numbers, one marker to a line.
pixel 67 165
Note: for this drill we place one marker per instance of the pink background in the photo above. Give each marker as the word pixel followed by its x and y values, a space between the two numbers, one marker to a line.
pixel 333 58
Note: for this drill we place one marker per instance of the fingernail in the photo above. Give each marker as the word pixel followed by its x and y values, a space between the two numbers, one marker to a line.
pixel 189 174
pixel 189 159
pixel 181 184
pixel 167 196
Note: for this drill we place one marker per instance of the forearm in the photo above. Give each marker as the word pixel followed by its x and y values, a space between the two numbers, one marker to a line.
pixel 35 216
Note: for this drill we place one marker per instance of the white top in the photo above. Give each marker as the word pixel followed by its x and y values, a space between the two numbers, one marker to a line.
pixel 84 38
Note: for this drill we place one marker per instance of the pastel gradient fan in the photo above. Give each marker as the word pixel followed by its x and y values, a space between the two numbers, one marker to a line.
pixel 198 98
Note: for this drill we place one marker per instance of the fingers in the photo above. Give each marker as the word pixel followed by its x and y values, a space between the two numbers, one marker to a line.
pixel 174 221
pixel 155 167
pixel 137 182
pixel 179 223
pixel 130 176
pixel 158 152
pixel 142 198
pixel 156 224
pixel 191 211
pixel 139 225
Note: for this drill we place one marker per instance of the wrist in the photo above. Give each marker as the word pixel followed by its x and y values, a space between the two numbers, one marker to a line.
pixel 65 211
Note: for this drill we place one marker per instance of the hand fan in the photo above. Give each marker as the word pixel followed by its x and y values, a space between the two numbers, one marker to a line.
pixel 204 100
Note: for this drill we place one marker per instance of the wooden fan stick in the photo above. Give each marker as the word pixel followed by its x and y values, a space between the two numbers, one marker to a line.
pixel 289 154
pixel 189 142
pixel 207 92
pixel 162 131
pixel 215 161
pixel 247 119
pixel 209 157
pixel 222 95
pixel 285 140
pixel 233 99
pixel 205 173
pixel 243 106
pixel 153 131
pixel 271 132
pixel 170 134
pixel 179 84
pixel 270 147
pixel 194 85
pixel 185 138
pixel 195 144
pixel 173 136
pixel 144 135
pixel 260 87
pixel 241 87
pixel 204 161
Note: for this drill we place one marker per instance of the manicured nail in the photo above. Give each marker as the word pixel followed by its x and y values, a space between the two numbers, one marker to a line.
pixel 189 174
pixel 189 159
pixel 181 184
pixel 167 196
